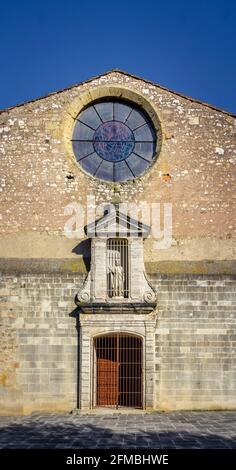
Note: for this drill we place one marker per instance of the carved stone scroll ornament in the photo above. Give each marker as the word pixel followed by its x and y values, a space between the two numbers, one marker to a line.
pixel 149 296
pixel 83 297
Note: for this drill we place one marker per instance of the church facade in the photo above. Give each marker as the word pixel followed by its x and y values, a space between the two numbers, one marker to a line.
pixel 117 250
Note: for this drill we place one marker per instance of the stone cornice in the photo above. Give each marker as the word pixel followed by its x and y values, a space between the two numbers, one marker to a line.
pixel 77 267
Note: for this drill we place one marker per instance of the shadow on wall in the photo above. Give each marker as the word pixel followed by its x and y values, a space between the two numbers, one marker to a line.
pixel 70 431
pixel 75 314
pixel 84 248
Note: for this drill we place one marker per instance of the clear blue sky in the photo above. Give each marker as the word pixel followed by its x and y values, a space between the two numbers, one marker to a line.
pixel 186 45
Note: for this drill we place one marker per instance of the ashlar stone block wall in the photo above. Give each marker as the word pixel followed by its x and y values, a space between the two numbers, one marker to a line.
pixel 195 353
pixel 39 343
pixel 194 330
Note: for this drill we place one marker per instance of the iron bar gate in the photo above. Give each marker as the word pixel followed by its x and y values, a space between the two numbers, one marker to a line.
pixel 118 251
pixel 118 370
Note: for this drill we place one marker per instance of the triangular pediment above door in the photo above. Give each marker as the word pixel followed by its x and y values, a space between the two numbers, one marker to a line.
pixel 117 224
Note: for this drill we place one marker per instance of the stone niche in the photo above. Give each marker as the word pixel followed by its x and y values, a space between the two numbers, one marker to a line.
pixel 117 280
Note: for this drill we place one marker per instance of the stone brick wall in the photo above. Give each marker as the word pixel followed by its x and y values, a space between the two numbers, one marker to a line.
pixel 195 338
pixel 38 179
pixel 39 342
pixel 196 342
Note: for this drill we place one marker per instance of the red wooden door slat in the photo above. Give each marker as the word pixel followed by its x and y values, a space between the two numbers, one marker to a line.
pixel 107 389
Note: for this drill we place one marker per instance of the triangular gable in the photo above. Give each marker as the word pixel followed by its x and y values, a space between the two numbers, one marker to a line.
pixel 127 74
pixel 117 224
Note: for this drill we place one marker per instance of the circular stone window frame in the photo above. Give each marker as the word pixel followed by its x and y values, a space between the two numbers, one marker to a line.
pixel 97 94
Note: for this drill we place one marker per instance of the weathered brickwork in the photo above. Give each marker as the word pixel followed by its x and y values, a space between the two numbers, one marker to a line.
pixel 38 179
pixel 194 332
pixel 196 342
pixel 39 343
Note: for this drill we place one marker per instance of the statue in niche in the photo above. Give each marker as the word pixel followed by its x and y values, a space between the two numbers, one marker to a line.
pixel 117 279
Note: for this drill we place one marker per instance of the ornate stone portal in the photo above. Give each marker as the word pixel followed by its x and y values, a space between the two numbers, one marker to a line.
pixel 117 300
pixel 117 280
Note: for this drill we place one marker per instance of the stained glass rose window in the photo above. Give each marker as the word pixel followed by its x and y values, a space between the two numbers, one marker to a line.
pixel 114 140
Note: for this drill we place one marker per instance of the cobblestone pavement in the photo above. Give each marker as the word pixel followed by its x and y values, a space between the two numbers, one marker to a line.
pixel 182 430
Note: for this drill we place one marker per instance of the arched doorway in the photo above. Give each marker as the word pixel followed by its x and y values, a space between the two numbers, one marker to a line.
pixel 118 361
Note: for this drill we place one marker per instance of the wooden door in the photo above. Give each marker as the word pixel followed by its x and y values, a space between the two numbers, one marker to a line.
pixel 119 370
pixel 107 370
pixel 107 382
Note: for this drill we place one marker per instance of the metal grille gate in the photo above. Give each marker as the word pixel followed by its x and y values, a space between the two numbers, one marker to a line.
pixel 118 250
pixel 118 370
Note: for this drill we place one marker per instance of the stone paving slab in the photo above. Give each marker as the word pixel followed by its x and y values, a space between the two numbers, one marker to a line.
pixel 175 430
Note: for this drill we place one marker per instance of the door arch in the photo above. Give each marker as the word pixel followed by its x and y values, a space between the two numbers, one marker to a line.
pixel 118 367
